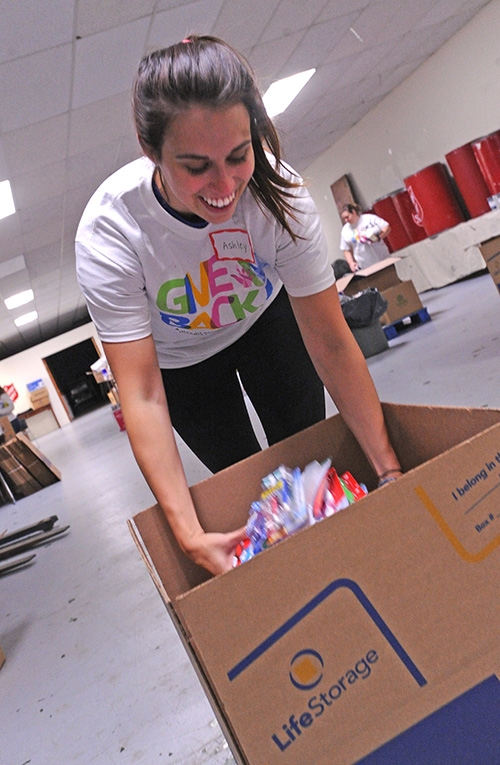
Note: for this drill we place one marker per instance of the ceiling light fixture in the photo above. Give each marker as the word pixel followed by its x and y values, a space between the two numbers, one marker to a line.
pixel 14 301
pixel 27 318
pixel 7 206
pixel 282 92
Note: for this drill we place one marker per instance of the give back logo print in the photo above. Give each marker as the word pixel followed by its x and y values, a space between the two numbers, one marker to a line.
pixel 226 288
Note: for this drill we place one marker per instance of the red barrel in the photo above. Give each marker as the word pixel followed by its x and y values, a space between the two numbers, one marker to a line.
pixel 404 206
pixel 487 152
pixel 469 179
pixel 397 238
pixel 432 195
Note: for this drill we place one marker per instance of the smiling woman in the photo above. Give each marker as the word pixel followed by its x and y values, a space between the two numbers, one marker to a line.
pixel 206 162
pixel 205 270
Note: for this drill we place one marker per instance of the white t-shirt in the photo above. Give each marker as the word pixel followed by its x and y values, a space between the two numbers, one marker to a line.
pixel 196 290
pixel 360 240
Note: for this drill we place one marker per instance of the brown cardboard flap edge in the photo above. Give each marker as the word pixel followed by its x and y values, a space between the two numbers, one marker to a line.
pixel 354 282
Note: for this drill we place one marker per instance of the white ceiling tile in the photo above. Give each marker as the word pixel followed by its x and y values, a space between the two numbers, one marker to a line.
pixel 106 120
pixel 441 10
pixel 291 16
pixel 336 8
pixel 268 59
pixel 36 145
pixel 32 26
pixel 106 63
pixel 92 16
pixel 50 233
pixel 12 265
pixel 40 183
pixel 35 87
pixel 174 25
pixel 316 44
pixel 12 285
pixel 242 23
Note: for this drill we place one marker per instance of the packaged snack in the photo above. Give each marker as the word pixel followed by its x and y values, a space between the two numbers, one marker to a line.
pixel 293 499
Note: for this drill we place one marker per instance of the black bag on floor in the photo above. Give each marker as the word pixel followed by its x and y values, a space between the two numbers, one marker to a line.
pixel 363 309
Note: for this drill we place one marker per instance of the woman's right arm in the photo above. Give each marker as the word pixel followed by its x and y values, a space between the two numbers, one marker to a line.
pixel 142 398
pixel 350 260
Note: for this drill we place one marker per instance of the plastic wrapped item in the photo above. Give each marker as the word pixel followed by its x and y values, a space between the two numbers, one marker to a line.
pixel 292 500
pixel 364 308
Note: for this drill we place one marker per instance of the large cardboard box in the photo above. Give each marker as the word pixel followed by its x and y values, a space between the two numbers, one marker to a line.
pixel 381 275
pixel 39 397
pixel 402 297
pixel 490 250
pixel 373 636
pixel 402 301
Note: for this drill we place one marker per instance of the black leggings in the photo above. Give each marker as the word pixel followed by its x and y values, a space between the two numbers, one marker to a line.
pixel 207 405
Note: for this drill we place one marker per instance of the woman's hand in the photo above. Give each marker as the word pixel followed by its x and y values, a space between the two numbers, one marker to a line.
pixel 214 551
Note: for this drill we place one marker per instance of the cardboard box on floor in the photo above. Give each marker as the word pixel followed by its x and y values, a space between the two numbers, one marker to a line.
pixel 402 297
pixel 374 631
pixel 490 250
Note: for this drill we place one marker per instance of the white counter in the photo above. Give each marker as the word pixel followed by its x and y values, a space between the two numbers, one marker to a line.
pixel 449 255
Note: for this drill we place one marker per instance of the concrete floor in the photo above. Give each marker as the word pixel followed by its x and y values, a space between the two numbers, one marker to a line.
pixel 95 673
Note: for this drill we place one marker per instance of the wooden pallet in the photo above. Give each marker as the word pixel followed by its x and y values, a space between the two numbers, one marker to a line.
pixel 408 322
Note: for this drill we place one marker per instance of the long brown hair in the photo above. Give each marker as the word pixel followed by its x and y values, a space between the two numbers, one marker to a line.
pixel 206 71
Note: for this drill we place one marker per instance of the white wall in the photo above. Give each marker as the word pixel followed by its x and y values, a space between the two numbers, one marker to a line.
pixel 450 100
pixel 27 366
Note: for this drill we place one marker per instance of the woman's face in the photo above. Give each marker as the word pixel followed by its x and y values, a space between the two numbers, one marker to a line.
pixel 350 217
pixel 207 161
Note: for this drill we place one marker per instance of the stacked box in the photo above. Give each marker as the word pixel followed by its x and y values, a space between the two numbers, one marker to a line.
pixel 38 394
pixel 39 398
pixel 372 636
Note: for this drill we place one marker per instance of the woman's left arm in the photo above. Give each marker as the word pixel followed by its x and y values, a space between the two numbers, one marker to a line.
pixel 344 373
pixel 384 232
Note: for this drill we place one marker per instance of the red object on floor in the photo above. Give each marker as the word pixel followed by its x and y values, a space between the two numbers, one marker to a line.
pixel 432 195
pixel 487 151
pixel 469 179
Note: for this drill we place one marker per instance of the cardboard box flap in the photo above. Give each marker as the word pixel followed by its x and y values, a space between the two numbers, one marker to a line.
pixel 418 434
pixel 381 275
pixel 172 572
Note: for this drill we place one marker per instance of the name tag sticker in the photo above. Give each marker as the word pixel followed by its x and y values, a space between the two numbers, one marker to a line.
pixel 232 244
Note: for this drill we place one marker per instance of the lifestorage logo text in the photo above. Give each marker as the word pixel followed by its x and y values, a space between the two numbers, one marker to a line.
pixel 326 686
pixel 304 665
